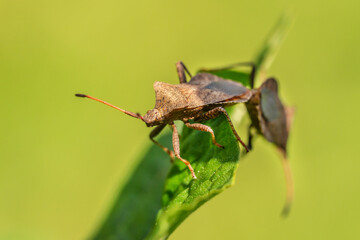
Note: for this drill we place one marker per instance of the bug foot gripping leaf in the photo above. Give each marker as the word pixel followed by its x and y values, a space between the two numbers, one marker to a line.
pixel 203 97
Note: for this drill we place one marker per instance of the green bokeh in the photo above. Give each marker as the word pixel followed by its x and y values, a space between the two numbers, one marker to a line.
pixel 62 159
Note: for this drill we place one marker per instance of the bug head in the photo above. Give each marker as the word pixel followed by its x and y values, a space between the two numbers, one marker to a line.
pixel 152 117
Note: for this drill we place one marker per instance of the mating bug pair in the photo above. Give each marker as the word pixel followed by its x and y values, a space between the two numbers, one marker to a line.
pixel 204 97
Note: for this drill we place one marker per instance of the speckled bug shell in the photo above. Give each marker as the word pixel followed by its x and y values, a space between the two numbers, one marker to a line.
pixel 203 90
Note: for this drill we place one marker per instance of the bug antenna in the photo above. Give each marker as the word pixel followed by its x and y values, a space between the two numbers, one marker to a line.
pixel 289 185
pixel 135 115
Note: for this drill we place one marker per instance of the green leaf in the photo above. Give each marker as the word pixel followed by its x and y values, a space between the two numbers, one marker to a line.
pixel 271 47
pixel 215 169
pixel 233 75
pixel 135 209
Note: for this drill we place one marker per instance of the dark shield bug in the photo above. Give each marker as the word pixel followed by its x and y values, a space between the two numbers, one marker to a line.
pixel 270 118
pixel 203 97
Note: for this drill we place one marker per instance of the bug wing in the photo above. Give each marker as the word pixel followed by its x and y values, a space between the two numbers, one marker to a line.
pixel 204 89
pixel 211 89
pixel 274 123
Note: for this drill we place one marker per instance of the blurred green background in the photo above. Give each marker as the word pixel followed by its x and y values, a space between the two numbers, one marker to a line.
pixel 62 159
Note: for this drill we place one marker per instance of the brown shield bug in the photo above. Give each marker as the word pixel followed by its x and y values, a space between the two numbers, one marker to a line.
pixel 270 119
pixel 203 97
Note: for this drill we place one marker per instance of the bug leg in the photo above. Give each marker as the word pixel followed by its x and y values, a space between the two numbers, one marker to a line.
pixel 176 145
pixel 250 64
pixel 204 128
pixel 289 184
pixel 154 133
pixel 250 137
pixel 216 112
pixel 181 68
